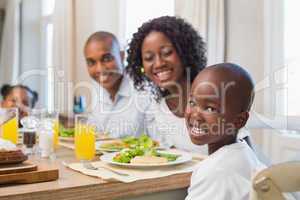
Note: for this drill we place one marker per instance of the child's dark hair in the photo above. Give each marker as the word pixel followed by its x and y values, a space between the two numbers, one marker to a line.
pixel 7 89
pixel 188 44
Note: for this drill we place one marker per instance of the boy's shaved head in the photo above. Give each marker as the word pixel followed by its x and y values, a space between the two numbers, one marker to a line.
pixel 242 90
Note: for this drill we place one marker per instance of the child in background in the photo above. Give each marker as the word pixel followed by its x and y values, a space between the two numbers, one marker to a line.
pixel 218 107
pixel 19 96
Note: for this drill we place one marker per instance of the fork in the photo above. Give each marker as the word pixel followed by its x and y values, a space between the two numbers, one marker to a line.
pixel 88 165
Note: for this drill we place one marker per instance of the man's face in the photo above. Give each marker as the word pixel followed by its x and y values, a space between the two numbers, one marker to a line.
pixel 103 62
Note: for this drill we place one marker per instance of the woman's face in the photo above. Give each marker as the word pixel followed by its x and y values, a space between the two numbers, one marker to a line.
pixel 102 63
pixel 160 60
pixel 19 98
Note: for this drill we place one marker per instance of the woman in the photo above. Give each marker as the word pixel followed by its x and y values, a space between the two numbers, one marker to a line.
pixel 165 55
pixel 19 96
pixel 119 109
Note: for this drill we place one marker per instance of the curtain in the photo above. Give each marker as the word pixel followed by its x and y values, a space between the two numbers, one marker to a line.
pixel 208 17
pixel 2 15
pixel 63 55
pixel 9 54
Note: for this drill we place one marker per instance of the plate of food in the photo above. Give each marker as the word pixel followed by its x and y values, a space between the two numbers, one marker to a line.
pixel 116 145
pixel 145 158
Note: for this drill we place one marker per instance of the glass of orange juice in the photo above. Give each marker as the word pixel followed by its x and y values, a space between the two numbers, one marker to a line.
pixel 54 116
pixel 84 138
pixel 9 124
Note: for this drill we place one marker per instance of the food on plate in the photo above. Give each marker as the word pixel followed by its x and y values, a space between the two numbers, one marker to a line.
pixel 142 142
pixel 66 132
pixel 148 160
pixel 138 154
pixel 9 153
pixel 115 145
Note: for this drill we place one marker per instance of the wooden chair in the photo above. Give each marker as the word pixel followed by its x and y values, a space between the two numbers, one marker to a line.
pixel 272 182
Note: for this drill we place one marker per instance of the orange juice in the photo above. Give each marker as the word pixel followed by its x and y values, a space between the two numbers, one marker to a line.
pixel 55 134
pixel 85 142
pixel 10 130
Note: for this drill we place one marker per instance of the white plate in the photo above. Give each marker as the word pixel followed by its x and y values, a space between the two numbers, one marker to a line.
pixel 183 158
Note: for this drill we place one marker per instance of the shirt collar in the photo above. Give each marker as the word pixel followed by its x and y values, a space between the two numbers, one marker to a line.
pixel 125 87
pixel 124 90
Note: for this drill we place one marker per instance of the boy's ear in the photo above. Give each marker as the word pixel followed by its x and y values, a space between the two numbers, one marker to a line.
pixel 122 55
pixel 241 120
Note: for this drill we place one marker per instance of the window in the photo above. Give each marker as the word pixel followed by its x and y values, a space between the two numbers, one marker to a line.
pixel 47 47
pixel 282 57
pixel 137 12
pixel 47 30
pixel 292 55
pixel 36 46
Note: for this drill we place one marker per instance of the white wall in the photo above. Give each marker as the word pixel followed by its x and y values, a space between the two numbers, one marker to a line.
pixel 245 39
pixel 245 46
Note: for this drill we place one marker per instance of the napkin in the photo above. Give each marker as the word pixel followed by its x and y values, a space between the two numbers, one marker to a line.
pixel 135 174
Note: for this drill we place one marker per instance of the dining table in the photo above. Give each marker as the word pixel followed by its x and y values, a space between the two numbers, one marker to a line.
pixel 73 185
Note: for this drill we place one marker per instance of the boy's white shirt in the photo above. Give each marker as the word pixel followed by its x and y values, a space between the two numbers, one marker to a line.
pixel 126 115
pixel 172 131
pixel 225 174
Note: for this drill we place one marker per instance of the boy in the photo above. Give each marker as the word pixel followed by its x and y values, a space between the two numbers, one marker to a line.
pixel 219 104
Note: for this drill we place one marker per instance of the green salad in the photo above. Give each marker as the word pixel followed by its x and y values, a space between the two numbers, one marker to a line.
pixel 66 132
pixel 142 142
pixel 141 146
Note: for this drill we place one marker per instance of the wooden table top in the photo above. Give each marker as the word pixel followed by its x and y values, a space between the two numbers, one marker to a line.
pixel 72 185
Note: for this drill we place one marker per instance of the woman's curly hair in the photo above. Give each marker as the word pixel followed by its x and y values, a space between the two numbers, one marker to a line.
pixel 188 43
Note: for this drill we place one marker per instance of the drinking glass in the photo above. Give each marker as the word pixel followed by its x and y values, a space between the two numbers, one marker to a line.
pixel 47 130
pixel 84 138
pixel 53 116
pixel 9 124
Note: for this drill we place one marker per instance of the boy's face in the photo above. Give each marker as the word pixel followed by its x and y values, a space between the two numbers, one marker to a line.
pixel 212 113
pixel 103 62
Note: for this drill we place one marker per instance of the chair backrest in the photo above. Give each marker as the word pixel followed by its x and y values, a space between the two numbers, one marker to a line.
pixel 272 182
